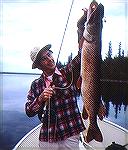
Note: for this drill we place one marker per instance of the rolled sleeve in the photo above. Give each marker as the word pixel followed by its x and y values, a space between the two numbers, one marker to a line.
pixel 33 105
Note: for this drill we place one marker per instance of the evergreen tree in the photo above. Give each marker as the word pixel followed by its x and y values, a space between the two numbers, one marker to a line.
pixel 59 65
pixel 122 53
pixel 70 58
pixel 110 50
pixel 119 50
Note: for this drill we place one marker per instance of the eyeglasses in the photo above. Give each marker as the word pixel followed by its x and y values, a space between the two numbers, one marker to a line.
pixel 45 57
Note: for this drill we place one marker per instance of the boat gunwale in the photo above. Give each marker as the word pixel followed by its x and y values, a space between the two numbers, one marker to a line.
pixel 116 125
pixel 31 131
pixel 24 137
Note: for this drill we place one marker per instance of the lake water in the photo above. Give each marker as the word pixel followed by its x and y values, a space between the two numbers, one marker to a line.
pixel 14 122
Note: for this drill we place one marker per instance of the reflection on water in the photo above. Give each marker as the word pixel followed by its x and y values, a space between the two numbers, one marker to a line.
pixel 117 94
pixel 15 124
pixel 16 86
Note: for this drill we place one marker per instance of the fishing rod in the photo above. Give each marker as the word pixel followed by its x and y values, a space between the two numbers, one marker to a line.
pixel 62 88
pixel 64 31
pixel 49 101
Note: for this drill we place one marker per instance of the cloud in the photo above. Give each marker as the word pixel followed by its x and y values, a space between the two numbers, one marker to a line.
pixel 27 24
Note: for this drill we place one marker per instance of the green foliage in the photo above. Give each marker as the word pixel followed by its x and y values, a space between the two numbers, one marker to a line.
pixel 60 65
pixel 119 50
pixel 111 68
pixel 110 50
pixel 115 68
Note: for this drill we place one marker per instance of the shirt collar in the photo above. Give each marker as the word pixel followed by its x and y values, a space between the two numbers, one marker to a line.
pixel 56 71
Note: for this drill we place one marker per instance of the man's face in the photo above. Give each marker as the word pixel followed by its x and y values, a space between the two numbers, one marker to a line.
pixel 47 61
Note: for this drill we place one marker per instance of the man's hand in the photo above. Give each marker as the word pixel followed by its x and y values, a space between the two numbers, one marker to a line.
pixel 46 94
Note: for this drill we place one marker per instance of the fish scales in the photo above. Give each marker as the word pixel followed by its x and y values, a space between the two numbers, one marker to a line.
pixel 91 69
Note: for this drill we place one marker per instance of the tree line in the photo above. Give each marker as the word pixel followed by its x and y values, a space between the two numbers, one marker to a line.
pixel 115 68
pixel 111 68
pixel 114 73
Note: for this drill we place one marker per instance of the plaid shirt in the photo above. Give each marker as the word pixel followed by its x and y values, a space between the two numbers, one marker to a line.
pixel 64 119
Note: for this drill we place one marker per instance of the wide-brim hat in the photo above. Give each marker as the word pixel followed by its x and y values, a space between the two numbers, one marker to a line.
pixel 35 52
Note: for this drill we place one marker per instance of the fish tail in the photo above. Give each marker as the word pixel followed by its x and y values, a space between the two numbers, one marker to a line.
pixel 94 133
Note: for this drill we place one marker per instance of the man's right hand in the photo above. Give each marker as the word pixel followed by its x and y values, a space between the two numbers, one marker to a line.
pixel 46 94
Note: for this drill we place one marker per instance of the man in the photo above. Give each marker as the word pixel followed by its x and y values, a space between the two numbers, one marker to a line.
pixel 55 90
pixel 55 94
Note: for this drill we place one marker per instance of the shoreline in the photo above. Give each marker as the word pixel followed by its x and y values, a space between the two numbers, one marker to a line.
pixel 24 73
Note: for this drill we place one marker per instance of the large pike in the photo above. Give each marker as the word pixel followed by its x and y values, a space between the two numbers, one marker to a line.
pixel 91 68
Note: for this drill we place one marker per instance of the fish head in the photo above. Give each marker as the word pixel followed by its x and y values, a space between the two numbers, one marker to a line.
pixel 94 22
pixel 95 13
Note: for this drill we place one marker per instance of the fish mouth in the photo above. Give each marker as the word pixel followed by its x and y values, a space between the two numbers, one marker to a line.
pixel 95 14
pixel 94 22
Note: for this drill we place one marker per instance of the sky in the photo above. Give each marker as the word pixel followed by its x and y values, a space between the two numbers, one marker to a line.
pixel 25 24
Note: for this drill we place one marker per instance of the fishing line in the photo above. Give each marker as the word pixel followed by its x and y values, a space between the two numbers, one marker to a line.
pixel 49 109
pixel 66 87
pixel 63 88
pixel 65 31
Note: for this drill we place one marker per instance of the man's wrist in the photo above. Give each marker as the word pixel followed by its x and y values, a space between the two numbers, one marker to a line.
pixel 40 100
